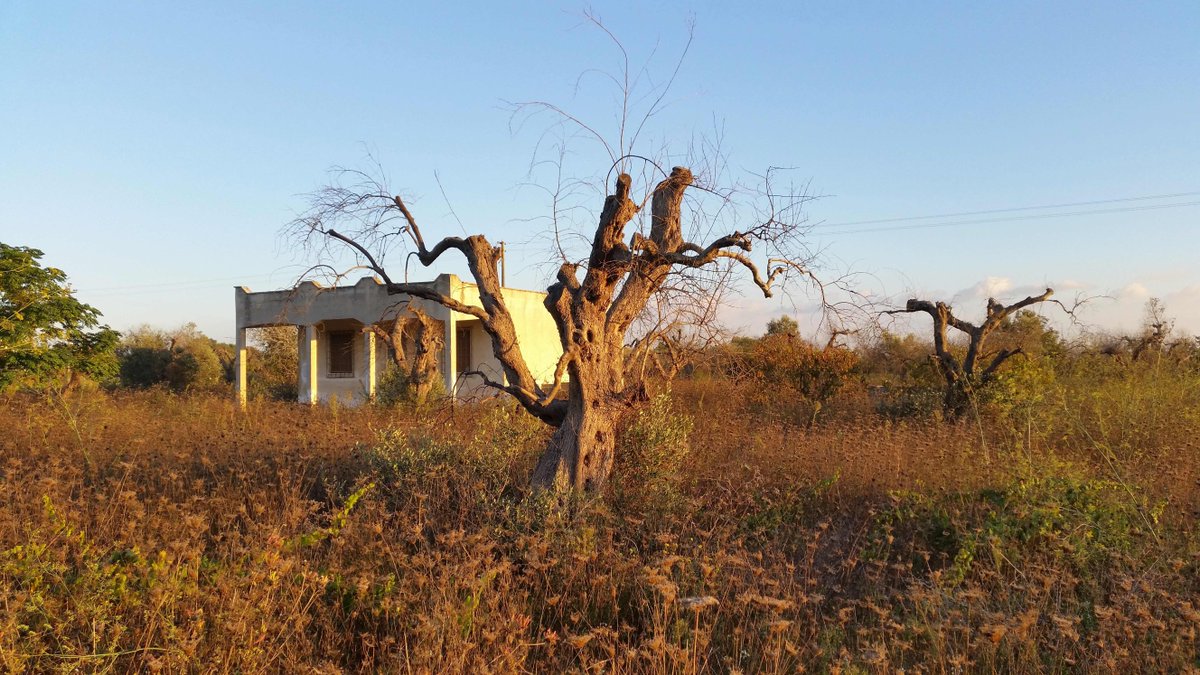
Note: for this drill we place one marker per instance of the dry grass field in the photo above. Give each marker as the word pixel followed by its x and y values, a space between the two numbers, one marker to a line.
pixel 155 532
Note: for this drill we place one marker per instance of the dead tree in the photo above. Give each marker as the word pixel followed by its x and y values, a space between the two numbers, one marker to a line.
pixel 1155 331
pixel 420 366
pixel 597 296
pixel 679 326
pixel 593 302
pixel 976 368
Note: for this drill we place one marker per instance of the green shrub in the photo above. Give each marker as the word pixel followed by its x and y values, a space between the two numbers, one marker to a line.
pixel 395 389
pixel 400 457
pixel 650 453
pixel 795 378
pixel 1023 387
pixel 184 360
pixel 508 432
pixel 445 476
pixel 1051 509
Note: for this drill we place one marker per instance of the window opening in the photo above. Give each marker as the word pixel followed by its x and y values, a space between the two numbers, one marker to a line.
pixel 462 356
pixel 341 353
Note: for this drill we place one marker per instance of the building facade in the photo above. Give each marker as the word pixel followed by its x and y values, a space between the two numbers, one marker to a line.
pixel 340 357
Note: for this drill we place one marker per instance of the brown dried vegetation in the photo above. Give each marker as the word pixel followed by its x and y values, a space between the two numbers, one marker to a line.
pixel 150 531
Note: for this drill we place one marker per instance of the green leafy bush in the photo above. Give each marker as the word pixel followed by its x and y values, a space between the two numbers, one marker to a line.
pixel 394 388
pixel 1025 386
pixel 182 360
pixel 650 453
pixel 1051 510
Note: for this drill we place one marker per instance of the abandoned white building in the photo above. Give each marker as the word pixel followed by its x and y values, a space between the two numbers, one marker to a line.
pixel 338 357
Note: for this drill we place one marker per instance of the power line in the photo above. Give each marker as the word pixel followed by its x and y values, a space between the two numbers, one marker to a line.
pixel 1037 216
pixel 200 283
pixel 1008 210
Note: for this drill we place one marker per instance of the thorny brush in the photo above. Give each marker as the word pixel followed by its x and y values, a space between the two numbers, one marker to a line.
pixel 201 539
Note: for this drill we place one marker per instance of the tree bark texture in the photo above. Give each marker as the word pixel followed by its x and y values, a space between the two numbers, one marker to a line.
pixel 420 367
pixel 592 315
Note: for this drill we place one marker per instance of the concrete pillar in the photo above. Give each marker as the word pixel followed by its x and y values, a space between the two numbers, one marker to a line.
pixel 307 351
pixel 241 367
pixel 450 356
pixel 369 363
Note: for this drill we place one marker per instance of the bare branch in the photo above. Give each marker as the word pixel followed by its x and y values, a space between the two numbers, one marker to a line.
pixel 363 251
pixel 1002 356
pixel 997 312
pixel 559 371
pixel 426 292
pixel 963 377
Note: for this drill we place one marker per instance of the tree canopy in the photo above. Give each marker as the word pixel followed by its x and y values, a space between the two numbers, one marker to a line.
pixel 184 359
pixel 784 325
pixel 45 331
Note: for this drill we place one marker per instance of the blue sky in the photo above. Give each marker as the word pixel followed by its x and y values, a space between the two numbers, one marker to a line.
pixel 155 150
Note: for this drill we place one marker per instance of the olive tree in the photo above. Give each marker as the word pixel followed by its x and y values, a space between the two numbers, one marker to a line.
pixel 593 302
pixel 647 242
pixel 977 365
pixel 416 367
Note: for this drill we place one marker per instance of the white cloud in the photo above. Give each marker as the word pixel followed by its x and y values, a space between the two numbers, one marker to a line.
pixel 990 287
pixel 1134 290
pixel 1111 310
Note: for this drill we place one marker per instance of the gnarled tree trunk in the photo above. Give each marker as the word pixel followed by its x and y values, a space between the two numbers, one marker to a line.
pixel 427 341
pixel 964 378
pixel 582 449
pixel 592 314
pixel 420 367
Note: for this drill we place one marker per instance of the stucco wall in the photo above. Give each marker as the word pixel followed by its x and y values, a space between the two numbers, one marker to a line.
pixel 367 302
pixel 536 331
pixel 349 390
